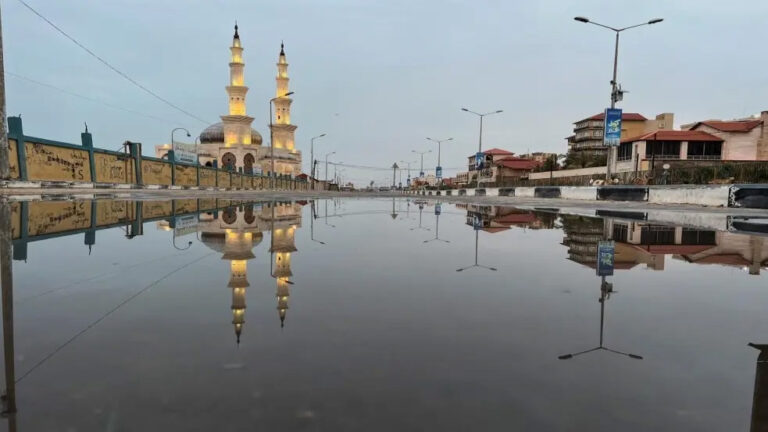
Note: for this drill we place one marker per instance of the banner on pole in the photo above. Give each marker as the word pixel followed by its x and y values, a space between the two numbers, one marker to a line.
pixel 612 128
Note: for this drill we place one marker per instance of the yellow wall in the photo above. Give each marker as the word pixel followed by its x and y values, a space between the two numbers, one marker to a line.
pixel 207 204
pixel 51 163
pixel 153 209
pixel 207 177
pixel 110 212
pixel 186 176
pixel 15 220
pixel 111 169
pixel 632 128
pixel 185 205
pixel 14 159
pixel 223 179
pixel 155 173
pixel 47 217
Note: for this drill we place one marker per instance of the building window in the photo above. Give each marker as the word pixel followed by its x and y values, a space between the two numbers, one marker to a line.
pixel 625 152
pixel 662 150
pixel 705 150
pixel 698 237
pixel 657 235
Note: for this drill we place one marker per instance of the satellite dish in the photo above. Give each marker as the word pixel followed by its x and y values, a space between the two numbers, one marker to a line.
pixel 665 166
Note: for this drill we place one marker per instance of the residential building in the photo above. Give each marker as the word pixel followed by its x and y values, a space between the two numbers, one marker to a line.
pixel 588 133
pixel 644 152
pixel 539 157
pixel 744 139
pixel 498 165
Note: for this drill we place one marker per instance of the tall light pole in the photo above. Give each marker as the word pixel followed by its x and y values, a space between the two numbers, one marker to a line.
pixel 335 174
pixel 5 151
pixel 173 143
pixel 480 141
pixel 312 157
pixel 408 163
pixel 326 165
pixel 439 169
pixel 422 153
pixel 616 93
pixel 272 141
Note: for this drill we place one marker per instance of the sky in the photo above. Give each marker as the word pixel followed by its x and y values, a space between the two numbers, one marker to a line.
pixel 378 77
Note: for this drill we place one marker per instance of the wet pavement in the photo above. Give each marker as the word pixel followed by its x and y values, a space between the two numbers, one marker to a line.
pixel 384 314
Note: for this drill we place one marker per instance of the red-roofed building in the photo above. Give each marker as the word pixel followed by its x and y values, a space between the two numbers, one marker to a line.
pixel 498 165
pixel 643 152
pixel 588 133
pixel 744 139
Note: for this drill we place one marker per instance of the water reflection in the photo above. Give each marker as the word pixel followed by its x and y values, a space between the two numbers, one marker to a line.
pixel 235 229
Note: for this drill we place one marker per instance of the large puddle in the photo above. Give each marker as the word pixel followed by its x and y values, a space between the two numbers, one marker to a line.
pixel 382 315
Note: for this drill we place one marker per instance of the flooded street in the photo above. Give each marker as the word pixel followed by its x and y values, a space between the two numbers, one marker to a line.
pixel 382 315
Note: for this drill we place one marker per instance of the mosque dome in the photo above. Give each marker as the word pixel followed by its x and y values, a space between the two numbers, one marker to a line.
pixel 216 242
pixel 214 134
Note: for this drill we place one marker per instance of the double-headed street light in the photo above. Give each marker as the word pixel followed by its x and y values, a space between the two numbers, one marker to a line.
pixel 312 157
pixel 616 92
pixel 480 141
pixel 422 153
pixel 439 169
pixel 272 141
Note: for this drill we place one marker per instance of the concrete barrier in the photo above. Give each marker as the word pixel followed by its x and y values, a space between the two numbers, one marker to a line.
pixel 578 193
pixel 491 191
pixel 748 196
pixel 527 192
pixel 507 192
pixel 622 193
pixel 714 196
pixel 469 192
pixel 480 192
pixel 546 192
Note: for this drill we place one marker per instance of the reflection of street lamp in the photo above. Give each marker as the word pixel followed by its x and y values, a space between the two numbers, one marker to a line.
pixel 326 215
pixel 605 290
pixel 189 244
pixel 477 238
pixel 437 226
pixel 616 92
pixel 421 208
pixel 312 225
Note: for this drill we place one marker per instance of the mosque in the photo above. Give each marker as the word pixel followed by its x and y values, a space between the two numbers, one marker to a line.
pixel 233 144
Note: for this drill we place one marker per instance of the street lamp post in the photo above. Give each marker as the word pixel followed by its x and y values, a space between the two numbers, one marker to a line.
pixel 439 169
pixel 422 153
pixel 312 157
pixel 616 92
pixel 326 165
pixel 408 179
pixel 173 143
pixel 272 141
pixel 480 141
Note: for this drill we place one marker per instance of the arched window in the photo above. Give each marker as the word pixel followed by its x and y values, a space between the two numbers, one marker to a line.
pixel 248 161
pixel 228 161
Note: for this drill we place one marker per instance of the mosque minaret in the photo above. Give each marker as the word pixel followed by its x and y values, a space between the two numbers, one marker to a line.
pixel 236 124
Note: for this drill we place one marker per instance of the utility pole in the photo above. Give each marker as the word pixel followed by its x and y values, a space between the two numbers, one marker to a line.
pixel 5 152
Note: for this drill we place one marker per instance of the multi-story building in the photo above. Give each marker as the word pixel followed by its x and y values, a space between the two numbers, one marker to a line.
pixel 588 133
pixel 498 165
pixel 744 139
pixel 539 157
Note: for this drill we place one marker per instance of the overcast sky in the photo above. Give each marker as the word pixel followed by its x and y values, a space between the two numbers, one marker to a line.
pixel 380 76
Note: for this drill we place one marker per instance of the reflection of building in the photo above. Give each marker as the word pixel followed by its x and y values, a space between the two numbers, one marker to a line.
pixel 494 219
pixel 234 233
pixel 232 143
pixel 759 421
pixel 648 243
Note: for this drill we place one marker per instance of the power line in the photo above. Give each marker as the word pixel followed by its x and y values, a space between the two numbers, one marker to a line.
pixel 90 99
pixel 110 312
pixel 107 64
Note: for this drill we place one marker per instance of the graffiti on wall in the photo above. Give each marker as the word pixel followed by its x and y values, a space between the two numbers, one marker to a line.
pixel 155 209
pixel 52 217
pixel 14 156
pixel 112 212
pixel 113 169
pixel 155 173
pixel 207 177
pixel 51 163
pixel 186 176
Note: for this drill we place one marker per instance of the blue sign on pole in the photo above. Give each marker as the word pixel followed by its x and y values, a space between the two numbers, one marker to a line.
pixel 612 129
pixel 477 222
pixel 479 160
pixel 606 253
pixel 439 172
pixel 438 209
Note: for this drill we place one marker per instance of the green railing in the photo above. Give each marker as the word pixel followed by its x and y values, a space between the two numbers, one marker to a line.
pixel 42 160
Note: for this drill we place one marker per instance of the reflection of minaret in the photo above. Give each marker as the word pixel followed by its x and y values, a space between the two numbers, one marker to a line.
pixel 234 234
pixel 282 246
pixel 760 396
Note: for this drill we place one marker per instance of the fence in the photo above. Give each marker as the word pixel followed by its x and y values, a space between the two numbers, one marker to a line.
pixel 42 160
